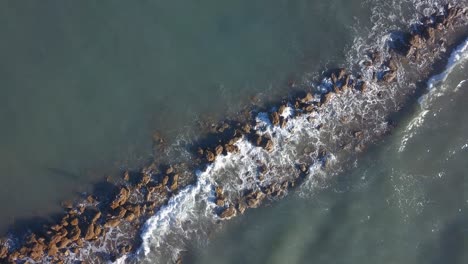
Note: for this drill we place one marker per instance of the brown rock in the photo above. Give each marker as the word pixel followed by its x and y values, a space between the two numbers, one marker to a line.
pixel 96 217
pixel 416 41
pixel 112 223
pixel 389 76
pixel 275 118
pixel 145 179
pixel 219 150
pixel 363 87
pixel 3 251
pixel 126 176
pixel 121 198
pixel 228 212
pixel 90 199
pixel 309 97
pixel 64 243
pixel 75 233
pixel 165 180
pixel 200 151
pixel 130 217
pixel 210 156
pixel 121 212
pixel 175 182
pixel 220 202
pixel 125 249
pixel 254 199
pixel 74 222
pixel 326 98
pixel 242 206
pixel 269 145
pixel 219 191
pixel 231 148
pixel 246 128
pixel 259 140
pixel 170 170
pixel 53 250
pixel 97 231
pixel 90 232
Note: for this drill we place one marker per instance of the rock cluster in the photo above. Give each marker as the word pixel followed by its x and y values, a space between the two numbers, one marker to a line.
pixel 90 220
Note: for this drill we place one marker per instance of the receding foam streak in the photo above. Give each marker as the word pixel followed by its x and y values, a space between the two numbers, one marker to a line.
pixel 457 57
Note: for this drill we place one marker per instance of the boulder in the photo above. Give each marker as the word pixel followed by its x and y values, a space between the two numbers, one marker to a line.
pixel 326 98
pixel 416 41
pixel 170 170
pixel 308 98
pixel 210 156
pixel 231 148
pixel 64 243
pixel 269 145
pixel 53 250
pixel 254 199
pixel 275 118
pixel 175 182
pixel 90 232
pixel 145 179
pixel 75 234
pixel 246 128
pixel 219 150
pixel 112 222
pixel 220 202
pixel 165 180
pixel 130 217
pixel 96 217
pixel 97 231
pixel 389 76
pixel 74 222
pixel 228 212
pixel 121 198
pixel 126 176
pixel 3 251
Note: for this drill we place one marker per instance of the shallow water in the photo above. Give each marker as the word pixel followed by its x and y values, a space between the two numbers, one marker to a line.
pixel 403 202
pixel 84 85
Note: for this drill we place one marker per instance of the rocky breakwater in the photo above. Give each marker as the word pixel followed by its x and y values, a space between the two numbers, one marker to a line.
pixel 90 229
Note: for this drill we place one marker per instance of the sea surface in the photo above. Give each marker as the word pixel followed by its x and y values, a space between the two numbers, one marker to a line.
pixel 84 86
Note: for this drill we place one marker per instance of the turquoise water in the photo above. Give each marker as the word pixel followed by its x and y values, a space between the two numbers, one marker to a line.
pixel 405 201
pixel 83 85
